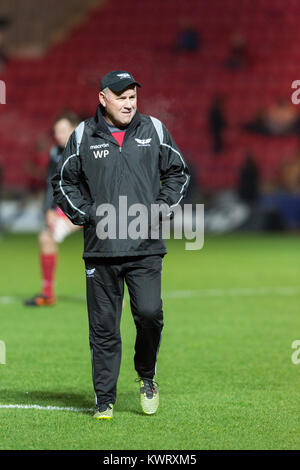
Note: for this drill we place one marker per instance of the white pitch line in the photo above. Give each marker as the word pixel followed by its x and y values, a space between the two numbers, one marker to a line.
pixel 9 300
pixel 236 292
pixel 48 408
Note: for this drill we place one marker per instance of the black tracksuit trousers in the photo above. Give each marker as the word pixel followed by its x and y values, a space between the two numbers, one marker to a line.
pixel 105 288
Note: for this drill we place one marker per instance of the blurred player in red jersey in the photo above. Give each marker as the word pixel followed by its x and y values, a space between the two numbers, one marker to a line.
pixel 58 226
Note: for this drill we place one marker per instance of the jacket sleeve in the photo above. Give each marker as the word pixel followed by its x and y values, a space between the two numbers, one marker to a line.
pixel 174 174
pixel 66 186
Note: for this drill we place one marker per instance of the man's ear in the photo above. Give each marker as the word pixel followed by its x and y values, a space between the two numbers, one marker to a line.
pixel 102 99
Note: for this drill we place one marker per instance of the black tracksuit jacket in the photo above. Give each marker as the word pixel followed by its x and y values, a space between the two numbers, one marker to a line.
pixel 148 169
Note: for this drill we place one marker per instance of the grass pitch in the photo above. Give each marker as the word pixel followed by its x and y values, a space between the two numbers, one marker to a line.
pixel 225 371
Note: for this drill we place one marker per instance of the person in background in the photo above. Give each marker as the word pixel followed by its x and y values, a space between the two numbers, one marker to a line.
pixel 58 226
pixel 248 188
pixel 238 56
pixel 217 123
pixel 188 38
pixel 280 119
pixel 4 57
pixel 37 166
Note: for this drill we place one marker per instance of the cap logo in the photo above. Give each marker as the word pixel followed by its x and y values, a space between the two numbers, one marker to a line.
pixel 123 75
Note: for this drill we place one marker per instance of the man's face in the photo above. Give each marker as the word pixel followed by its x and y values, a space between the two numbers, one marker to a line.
pixel 62 131
pixel 119 107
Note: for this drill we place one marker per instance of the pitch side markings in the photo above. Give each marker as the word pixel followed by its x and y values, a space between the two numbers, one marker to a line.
pixel 235 292
pixel 177 294
pixel 8 300
pixel 286 290
pixel 47 408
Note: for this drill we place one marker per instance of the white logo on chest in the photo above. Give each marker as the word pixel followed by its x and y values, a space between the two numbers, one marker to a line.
pixel 143 142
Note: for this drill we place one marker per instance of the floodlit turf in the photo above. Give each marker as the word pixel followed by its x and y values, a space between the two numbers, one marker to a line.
pixel 225 371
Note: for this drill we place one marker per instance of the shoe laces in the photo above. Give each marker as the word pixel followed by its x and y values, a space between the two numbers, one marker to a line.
pixel 103 407
pixel 149 387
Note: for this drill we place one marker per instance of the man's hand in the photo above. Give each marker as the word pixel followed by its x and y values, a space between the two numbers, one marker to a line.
pixel 51 217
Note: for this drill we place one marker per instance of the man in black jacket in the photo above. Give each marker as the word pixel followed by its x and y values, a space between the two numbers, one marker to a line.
pixel 117 160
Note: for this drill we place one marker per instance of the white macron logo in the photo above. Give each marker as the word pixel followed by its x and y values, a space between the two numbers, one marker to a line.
pixel 100 153
pixel 143 142
pixel 123 75
pixel 100 146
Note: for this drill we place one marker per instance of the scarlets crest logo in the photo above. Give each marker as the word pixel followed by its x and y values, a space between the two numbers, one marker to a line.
pixel 123 75
pixel 143 142
pixel 90 272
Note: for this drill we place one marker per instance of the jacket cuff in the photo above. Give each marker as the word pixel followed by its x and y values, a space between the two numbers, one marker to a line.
pixel 165 212
pixel 90 217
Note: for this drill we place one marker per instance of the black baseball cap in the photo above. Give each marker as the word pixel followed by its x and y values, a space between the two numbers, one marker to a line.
pixel 117 80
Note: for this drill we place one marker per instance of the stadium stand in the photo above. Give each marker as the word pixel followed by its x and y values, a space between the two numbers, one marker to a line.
pixel 178 87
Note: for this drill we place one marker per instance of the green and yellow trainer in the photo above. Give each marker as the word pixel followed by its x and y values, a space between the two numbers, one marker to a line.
pixel 149 396
pixel 104 411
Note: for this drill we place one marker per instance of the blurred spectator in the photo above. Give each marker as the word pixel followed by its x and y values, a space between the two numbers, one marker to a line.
pixel 238 56
pixel 36 166
pixel 257 123
pixel 58 227
pixel 248 185
pixel 217 123
pixel 4 24
pixel 289 174
pixel 188 38
pixel 280 119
